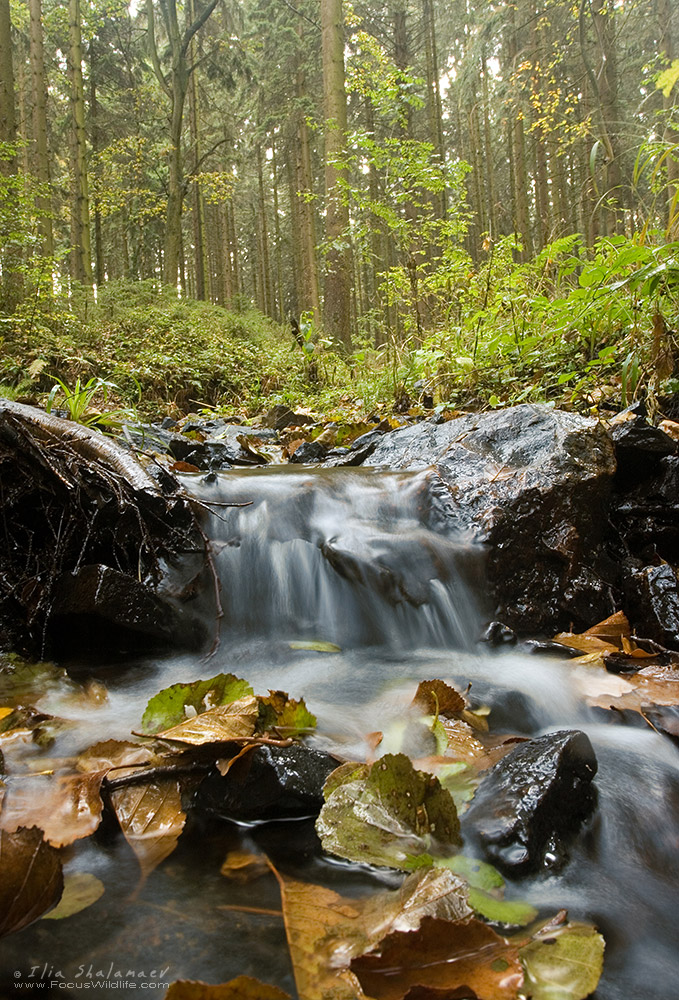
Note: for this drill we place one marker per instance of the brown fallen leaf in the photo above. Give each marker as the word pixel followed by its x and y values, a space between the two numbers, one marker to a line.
pixel 218 725
pixel 121 756
pixel 65 808
pixel 151 818
pixel 31 879
pixel 325 931
pixel 612 629
pixel 243 866
pixel 243 988
pixel 438 698
pixel 442 956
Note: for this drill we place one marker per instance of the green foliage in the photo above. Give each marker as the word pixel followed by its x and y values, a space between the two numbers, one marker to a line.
pixel 169 707
pixel 79 402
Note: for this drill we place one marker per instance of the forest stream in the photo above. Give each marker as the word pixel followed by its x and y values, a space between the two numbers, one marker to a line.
pixel 340 586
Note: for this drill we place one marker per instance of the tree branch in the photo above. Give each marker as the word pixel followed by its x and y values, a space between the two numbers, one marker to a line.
pixel 153 49
pixel 197 25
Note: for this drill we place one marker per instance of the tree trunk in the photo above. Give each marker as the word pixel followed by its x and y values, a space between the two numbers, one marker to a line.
pixel 82 254
pixel 667 51
pixel 9 255
pixel 94 119
pixel 337 300
pixel 521 209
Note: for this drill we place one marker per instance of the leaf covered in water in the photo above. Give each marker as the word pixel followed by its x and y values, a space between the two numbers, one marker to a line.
pixel 325 930
pixel 442 956
pixel 316 646
pixel 81 889
pixel 151 818
pixel 387 814
pixel 169 707
pixel 31 879
pixel 486 892
pixel 563 963
pixel 218 725
pixel 242 988
pixel 64 807
pixel 279 711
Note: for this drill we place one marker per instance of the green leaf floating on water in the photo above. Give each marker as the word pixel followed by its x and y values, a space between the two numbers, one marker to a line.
pixel 486 889
pixel 387 814
pixel 563 963
pixel 168 708
pixel 316 646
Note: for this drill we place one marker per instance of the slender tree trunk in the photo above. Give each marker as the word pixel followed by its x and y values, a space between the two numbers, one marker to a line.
pixel 434 104
pixel 308 286
pixel 82 270
pixel 267 294
pixel 489 155
pixel 10 256
pixel 337 301
pixel 39 149
pixel 279 313
pixel 521 209
pixel 199 242
pixel 667 50
pixel 94 132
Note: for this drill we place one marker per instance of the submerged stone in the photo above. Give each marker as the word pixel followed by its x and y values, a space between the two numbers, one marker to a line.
pixel 268 783
pixel 532 802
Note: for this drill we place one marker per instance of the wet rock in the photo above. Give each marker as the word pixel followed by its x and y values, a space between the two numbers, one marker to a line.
pixel 105 608
pixel 309 452
pixel 531 803
pixel 360 450
pixel 205 455
pixel 653 601
pixel 279 417
pixel 269 783
pixel 534 484
pixel 646 511
pixel 498 634
pixel 638 446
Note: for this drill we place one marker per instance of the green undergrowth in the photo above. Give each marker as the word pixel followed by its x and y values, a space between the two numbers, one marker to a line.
pixel 583 327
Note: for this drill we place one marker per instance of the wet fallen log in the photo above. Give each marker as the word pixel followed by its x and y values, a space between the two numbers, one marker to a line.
pixel 88 534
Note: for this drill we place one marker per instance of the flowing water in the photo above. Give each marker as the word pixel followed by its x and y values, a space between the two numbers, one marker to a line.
pixel 360 560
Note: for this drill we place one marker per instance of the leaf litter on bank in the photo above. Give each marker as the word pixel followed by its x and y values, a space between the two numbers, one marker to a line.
pixel 31 878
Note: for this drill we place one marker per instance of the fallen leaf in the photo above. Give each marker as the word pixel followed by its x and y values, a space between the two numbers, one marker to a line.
pixel 438 698
pixel 151 818
pixel 218 725
pixel 563 963
pixel 325 930
pixel 31 879
pixel 612 629
pixel 243 866
pixel 168 707
pixel 120 756
pixel 65 808
pixel 184 467
pixel 387 814
pixel 243 988
pixel 486 892
pixel 81 889
pixel 441 955
pixel 279 711
pixel 316 646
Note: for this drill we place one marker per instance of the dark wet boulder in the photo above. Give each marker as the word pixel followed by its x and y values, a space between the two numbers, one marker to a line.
pixel 646 509
pixel 309 452
pixel 638 443
pixel 97 606
pixel 533 483
pixel 532 802
pixel 280 416
pixel 653 601
pixel 358 452
pixel 268 783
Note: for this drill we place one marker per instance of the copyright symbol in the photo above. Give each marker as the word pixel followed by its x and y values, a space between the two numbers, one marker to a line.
pixel 17 974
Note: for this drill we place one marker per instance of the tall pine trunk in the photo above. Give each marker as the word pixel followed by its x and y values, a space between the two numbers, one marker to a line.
pixel 337 299
pixel 81 251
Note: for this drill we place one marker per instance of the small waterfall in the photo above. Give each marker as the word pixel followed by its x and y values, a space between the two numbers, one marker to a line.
pixel 340 556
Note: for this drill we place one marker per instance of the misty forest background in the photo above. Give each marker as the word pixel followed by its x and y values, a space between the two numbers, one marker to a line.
pixel 222 204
